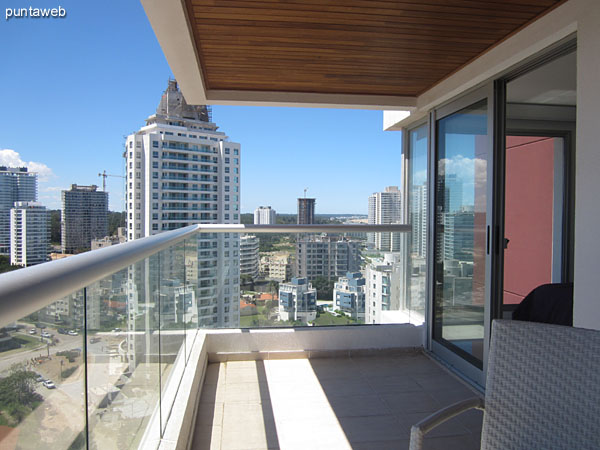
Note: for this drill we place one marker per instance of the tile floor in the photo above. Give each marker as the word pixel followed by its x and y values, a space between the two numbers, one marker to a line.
pixel 332 403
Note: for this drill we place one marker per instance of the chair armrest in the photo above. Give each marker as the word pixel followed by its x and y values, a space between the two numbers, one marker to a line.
pixel 418 431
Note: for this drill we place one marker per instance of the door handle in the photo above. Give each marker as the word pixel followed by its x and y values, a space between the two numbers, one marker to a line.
pixel 506 241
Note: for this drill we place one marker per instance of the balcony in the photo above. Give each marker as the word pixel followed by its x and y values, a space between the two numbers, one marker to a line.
pixel 131 353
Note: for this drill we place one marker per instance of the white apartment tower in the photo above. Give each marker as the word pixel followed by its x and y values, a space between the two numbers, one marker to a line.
pixel 265 215
pixel 384 290
pixel 29 234
pixel 385 208
pixel 182 171
pixel 17 184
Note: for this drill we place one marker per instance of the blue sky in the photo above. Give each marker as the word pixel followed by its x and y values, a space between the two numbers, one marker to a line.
pixel 74 87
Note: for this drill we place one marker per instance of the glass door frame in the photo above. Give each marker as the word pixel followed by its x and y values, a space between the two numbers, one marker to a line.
pixel 488 93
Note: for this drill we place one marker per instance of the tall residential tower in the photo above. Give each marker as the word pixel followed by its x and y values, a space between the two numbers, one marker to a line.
pixel 265 215
pixel 182 171
pixel 385 208
pixel 84 217
pixel 16 185
pixel 29 234
pixel 306 210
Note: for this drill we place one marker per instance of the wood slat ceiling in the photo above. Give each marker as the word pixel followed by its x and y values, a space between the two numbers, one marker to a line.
pixel 376 47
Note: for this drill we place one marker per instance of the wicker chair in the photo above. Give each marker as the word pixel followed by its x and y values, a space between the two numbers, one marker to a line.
pixel 542 390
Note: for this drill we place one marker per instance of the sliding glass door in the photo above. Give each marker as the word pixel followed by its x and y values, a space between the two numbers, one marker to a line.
pixel 462 179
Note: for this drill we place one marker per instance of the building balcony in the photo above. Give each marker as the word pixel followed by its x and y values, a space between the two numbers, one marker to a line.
pixel 188 147
pixel 133 363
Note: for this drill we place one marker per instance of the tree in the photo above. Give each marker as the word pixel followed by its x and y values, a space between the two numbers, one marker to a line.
pixel 324 288
pixel 273 286
pixel 55 231
pixel 247 281
pixel 115 220
pixel 5 265
pixel 17 393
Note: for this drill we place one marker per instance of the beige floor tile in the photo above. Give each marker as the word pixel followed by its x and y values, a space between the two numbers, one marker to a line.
pixel 313 433
pixel 207 438
pixel 213 393
pixel 411 402
pixel 210 414
pixel 213 372
pixel 247 426
pixel 394 383
pixel 373 428
pixel 359 406
pixel 253 392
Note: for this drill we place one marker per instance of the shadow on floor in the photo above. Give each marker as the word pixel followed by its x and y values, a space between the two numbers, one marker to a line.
pixel 377 399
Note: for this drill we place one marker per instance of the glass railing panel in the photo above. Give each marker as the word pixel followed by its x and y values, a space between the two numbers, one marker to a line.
pixel 190 306
pixel 309 279
pixel 171 299
pixel 416 241
pixel 123 356
pixel 42 401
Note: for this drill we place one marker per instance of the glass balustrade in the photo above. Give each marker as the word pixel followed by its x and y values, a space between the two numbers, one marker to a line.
pixel 100 368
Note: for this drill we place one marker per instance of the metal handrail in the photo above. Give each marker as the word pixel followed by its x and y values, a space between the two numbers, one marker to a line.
pixel 25 291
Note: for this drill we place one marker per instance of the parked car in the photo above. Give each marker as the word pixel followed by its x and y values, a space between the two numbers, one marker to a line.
pixel 40 378
pixel 62 331
pixel 46 334
pixel 49 384
pixel 32 331
pixel 73 333
pixel 117 330
pixel 94 340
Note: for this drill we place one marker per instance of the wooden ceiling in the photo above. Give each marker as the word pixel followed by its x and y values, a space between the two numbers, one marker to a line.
pixel 375 47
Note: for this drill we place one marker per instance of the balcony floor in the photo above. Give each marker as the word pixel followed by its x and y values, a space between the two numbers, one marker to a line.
pixel 330 403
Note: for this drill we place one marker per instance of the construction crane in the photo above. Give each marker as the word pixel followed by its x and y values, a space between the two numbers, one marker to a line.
pixel 104 175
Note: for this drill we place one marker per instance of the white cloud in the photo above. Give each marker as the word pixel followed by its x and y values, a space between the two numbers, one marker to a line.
pixel 13 159
pixel 419 177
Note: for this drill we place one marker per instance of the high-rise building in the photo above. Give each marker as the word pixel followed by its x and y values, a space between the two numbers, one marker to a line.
pixel 297 301
pixel 385 208
pixel 306 210
pixel 453 192
pixel 418 219
pixel 84 217
pixel 349 295
pixel 182 171
pixel 29 234
pixel 265 215
pixel 249 258
pixel 17 184
pixel 384 280
pixel 326 256
pixel 458 236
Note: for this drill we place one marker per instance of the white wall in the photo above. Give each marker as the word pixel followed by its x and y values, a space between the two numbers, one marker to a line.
pixel 587 179
pixel 316 339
